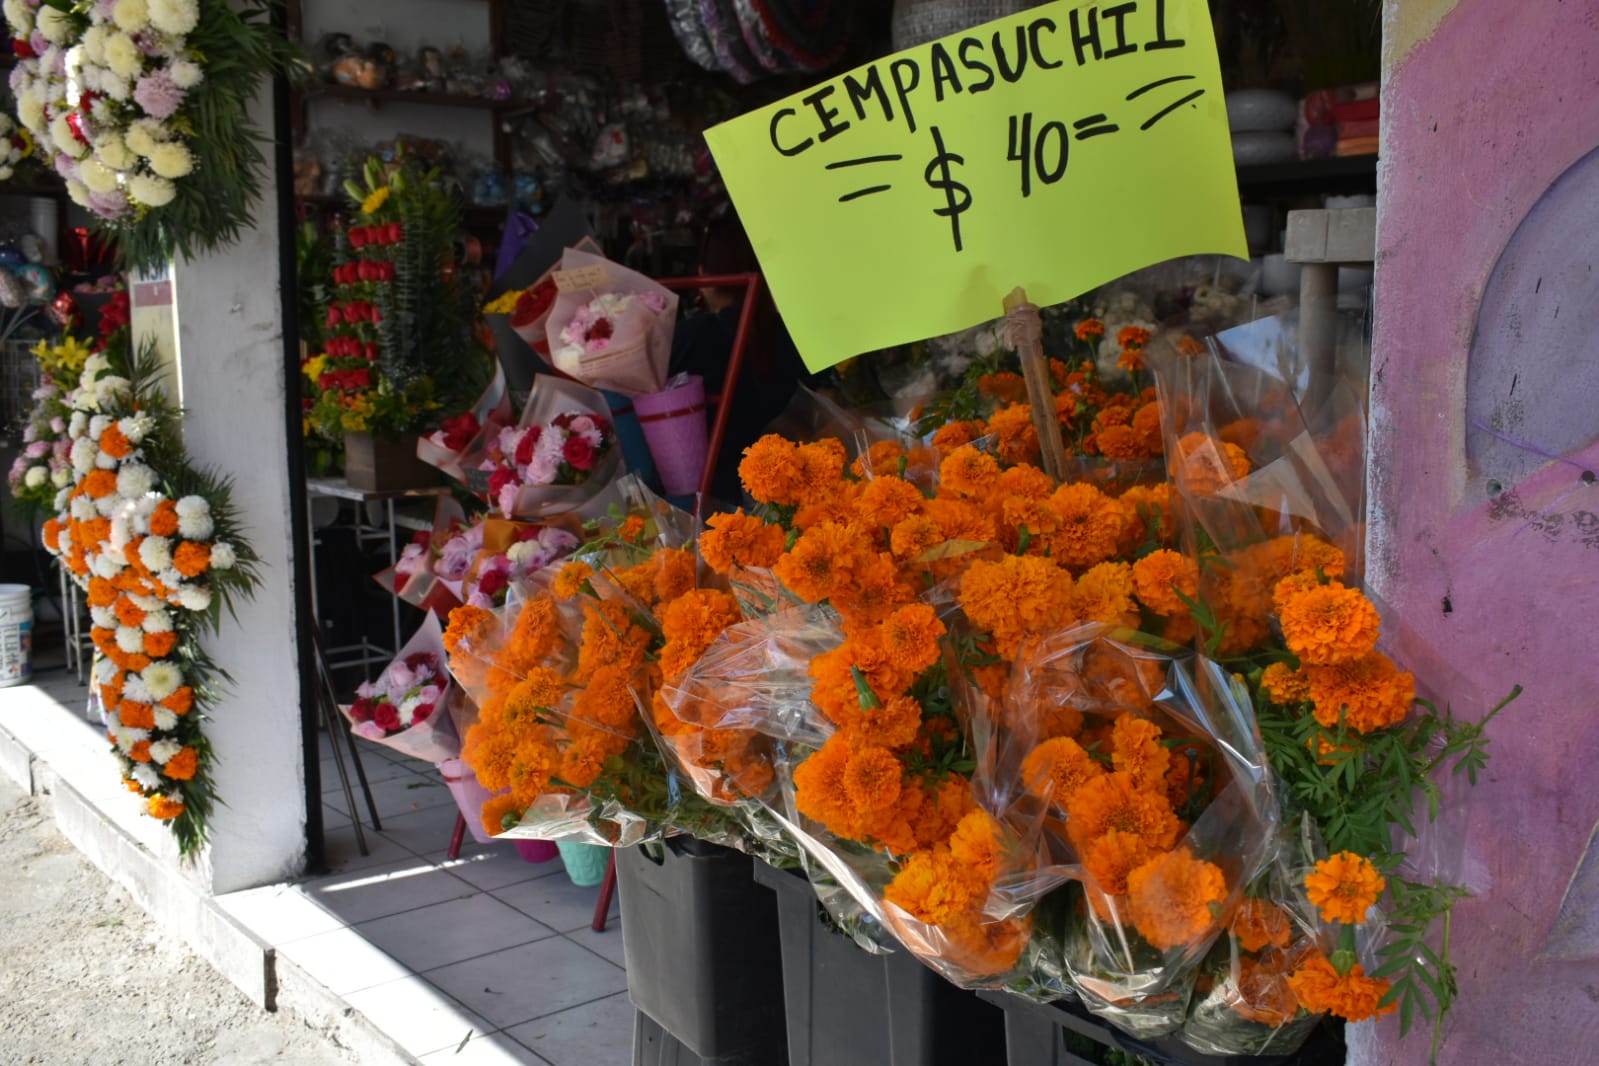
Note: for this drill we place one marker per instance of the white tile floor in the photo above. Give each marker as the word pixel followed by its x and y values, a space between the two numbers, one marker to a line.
pixel 484 960
pixel 485 948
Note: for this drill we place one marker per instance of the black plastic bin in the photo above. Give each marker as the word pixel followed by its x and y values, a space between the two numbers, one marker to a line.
pixel 847 1007
pixel 702 953
pixel 1065 1034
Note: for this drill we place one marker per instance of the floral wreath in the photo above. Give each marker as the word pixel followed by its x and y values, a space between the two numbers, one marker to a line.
pixel 139 107
pixel 154 542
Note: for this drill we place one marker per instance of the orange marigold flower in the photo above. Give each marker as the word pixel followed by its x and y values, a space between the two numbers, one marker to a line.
pixel 97 484
pixel 1146 424
pixel 1104 593
pixel 1344 887
pixel 52 533
pixel 1329 624
pixel 961 520
pixel 910 635
pixel 894 723
pixel 180 702
pixel 1260 922
pixel 872 779
pixel 912 538
pixel 1130 359
pixel 164 519
pixel 114 443
pixel 772 471
pixel 690 624
pixel 1003 386
pixel 676 572
pixel 1016 597
pixel 1285 685
pixel 886 500
pixel 821 561
pixel 740 539
pixel 1158 578
pixel 879 460
pixel 163 808
pixel 1138 751
pixel 1171 898
pixel 140 752
pixel 1090 525
pixel 1054 770
pixel 953 435
pixel 183 765
pixel 1120 442
pixel 136 715
pixel 1088 329
pixel 966 471
pixel 1300 581
pixel 568 583
pixel 1262 994
pixel 821 468
pixel 1370 692
pixel 1017 436
pixel 631 529
pixel 1352 996
pixel 980 844
pixel 1111 857
pixel 1204 465
pixel 498 811
pixel 128 612
pixel 1132 337
pixel 1187 345
pixel 819 787
pixel 191 559
pixel 160 645
pixel 1114 801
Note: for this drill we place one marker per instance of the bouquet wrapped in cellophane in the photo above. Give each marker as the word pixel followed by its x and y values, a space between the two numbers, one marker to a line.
pixel 566 673
pixel 408 706
pixel 611 327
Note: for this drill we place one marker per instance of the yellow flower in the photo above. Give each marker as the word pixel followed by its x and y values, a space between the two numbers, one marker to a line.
pixel 315 367
pixel 63 361
pixel 375 201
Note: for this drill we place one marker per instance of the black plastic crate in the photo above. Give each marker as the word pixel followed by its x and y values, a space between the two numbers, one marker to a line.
pixel 1066 1034
pixel 847 1007
pixel 701 943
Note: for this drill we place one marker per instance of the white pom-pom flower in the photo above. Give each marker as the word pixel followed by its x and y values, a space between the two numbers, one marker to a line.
pixel 134 480
pixel 151 191
pixel 165 720
pixel 162 750
pixel 107 566
pixel 134 688
pixel 195 597
pixel 171 160
pixel 156 553
pixel 147 775
pixel 185 74
pixel 82 508
pixel 130 640
pixel 123 56
pixel 177 17
pixel 156 621
pixel 130 17
pixel 196 525
pixel 104 618
pixel 223 556
pixel 162 679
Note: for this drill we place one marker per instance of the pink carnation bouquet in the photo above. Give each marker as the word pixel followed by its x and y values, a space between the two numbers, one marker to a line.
pixel 407 706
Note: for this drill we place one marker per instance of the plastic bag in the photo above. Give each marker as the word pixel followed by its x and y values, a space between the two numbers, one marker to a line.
pixel 447 448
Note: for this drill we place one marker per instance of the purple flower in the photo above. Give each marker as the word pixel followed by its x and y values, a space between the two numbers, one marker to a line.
pixel 58 425
pixel 158 94
pixel 37 450
pixel 105 8
pixel 38 42
pixel 113 204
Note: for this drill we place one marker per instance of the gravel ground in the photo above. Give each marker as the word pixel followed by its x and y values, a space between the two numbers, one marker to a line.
pixel 87 977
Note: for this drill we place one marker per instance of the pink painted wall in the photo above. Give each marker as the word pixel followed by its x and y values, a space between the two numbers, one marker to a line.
pixel 1489 558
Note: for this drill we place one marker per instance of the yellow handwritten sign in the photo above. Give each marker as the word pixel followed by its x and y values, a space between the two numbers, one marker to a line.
pixel 1056 149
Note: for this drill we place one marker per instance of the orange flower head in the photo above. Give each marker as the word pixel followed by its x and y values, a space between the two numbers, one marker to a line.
pixel 1017 436
pixel 1091 525
pixel 114 443
pixel 953 435
pixel 772 471
pixel 1205 465
pixel 569 581
pixel 98 484
pixel 160 807
pixel 873 591
pixel 1370 692
pixel 1132 337
pixel 1258 923
pixel 893 724
pixel 740 539
pixel 1054 770
pixel 1344 887
pixel 819 791
pixel 135 715
pixel 180 702
pixel 1158 578
pixel 160 645
pixel 1146 426
pixel 1104 593
pixel 914 537
pixel 631 529
pixel 1285 685
pixel 1171 898
pixel 676 572
pixel 1109 858
pixel 821 561
pixel 1138 751
pixel 980 844
pixel 691 623
pixel 966 471
pixel 1120 442
pixel 879 460
pixel 910 635
pixel 1329 624
pixel 1352 996
pixel 183 765
pixel 498 811
pixel 1089 329
pixel 872 779
pixel 1130 359
pixel 1262 994
pixel 1114 801
pixel 1188 346
pixel 164 519
pixel 140 752
pixel 1016 597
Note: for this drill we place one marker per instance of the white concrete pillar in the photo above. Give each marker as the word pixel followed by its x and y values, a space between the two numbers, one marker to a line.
pixel 226 334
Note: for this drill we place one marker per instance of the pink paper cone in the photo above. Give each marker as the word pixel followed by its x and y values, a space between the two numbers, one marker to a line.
pixel 674 427
pixel 470 796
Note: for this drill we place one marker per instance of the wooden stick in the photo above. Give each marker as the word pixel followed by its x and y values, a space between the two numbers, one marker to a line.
pixel 1024 329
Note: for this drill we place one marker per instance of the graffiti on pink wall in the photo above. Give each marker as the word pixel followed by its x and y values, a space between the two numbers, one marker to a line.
pixel 1485 513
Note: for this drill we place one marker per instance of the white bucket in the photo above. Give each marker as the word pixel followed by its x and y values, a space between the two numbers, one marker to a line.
pixel 16 634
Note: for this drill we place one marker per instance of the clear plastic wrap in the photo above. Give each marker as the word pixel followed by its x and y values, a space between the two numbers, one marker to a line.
pixel 415 577
pixel 405 711
pixel 447 448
